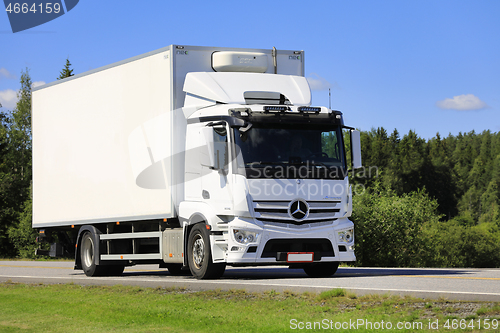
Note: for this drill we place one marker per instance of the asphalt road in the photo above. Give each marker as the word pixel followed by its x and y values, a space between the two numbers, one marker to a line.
pixel 456 284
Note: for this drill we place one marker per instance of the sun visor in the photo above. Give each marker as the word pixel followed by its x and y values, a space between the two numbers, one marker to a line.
pixel 230 88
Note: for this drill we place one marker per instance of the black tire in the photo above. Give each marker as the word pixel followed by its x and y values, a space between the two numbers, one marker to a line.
pixel 113 270
pixel 87 256
pixel 176 270
pixel 321 269
pixel 200 256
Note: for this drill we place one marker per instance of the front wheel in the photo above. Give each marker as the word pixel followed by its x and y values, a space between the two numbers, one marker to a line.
pixel 199 255
pixel 321 269
pixel 176 270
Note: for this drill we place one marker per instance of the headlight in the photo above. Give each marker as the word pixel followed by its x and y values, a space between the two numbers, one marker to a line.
pixel 346 236
pixel 245 236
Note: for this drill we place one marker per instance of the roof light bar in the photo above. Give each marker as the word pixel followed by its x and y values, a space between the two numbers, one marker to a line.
pixel 269 108
pixel 309 109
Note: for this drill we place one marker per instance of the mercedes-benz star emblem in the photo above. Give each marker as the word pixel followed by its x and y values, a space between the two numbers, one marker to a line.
pixel 298 209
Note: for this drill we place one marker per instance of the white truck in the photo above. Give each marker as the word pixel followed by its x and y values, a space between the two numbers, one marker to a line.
pixel 193 158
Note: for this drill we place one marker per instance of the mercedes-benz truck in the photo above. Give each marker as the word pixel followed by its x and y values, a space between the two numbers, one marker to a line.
pixel 193 158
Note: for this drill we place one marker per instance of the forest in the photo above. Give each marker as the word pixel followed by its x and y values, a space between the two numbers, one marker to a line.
pixel 428 203
pixel 416 203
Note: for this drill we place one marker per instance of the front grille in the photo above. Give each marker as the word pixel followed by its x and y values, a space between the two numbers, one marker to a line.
pixel 277 211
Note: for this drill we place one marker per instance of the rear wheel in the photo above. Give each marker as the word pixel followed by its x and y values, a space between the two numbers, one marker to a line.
pixel 87 249
pixel 199 255
pixel 321 269
pixel 113 270
pixel 88 258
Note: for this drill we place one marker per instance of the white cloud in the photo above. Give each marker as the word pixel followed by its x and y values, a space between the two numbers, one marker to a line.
pixel 38 83
pixel 462 103
pixel 8 99
pixel 6 74
pixel 317 82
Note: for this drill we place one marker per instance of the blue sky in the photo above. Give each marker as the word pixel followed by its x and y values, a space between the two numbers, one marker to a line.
pixel 428 66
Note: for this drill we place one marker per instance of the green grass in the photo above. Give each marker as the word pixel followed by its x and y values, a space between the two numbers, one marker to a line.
pixel 75 308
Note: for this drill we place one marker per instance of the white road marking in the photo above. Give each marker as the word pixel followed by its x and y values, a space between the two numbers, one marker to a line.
pixel 246 283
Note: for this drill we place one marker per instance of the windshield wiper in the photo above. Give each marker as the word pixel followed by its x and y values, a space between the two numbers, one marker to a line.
pixel 265 163
pixel 312 164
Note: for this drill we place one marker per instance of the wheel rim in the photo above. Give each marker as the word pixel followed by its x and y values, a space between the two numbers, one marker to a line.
pixel 198 251
pixel 88 251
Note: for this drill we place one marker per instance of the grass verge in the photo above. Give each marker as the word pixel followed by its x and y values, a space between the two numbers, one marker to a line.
pixel 75 308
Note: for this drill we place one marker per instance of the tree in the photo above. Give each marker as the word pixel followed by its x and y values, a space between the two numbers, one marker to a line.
pixel 389 228
pixel 7 186
pixel 15 165
pixel 20 131
pixel 22 235
pixel 460 243
pixel 66 71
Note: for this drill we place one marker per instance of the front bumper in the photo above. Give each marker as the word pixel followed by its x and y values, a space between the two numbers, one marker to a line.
pixel 275 242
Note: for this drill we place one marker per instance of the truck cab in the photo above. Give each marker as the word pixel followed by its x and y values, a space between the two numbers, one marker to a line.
pixel 270 172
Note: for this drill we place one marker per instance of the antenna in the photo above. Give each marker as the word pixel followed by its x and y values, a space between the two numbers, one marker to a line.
pixel 275 61
pixel 330 98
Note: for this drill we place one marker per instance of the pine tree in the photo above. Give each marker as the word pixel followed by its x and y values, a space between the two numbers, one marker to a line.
pixel 15 167
pixel 66 71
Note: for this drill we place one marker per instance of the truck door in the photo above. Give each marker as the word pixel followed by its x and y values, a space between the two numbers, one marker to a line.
pixel 215 179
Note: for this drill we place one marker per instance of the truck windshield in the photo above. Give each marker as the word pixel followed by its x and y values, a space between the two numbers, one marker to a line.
pixel 293 151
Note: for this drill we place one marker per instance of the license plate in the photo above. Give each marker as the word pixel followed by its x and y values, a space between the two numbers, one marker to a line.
pixel 300 257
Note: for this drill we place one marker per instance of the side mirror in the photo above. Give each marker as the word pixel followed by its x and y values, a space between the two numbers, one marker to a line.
pixel 356 149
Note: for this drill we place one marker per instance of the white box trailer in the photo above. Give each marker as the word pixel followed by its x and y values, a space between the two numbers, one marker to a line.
pixel 124 158
pixel 82 167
